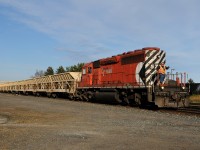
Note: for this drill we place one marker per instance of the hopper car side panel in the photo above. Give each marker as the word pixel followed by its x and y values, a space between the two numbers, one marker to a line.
pixel 65 83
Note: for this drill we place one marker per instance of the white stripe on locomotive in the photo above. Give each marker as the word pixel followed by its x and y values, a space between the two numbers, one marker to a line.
pixel 152 66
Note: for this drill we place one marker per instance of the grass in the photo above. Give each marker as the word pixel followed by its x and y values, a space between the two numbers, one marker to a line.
pixel 194 98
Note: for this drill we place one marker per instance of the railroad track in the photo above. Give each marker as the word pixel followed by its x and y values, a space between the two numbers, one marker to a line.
pixel 189 110
pixel 194 109
pixel 195 105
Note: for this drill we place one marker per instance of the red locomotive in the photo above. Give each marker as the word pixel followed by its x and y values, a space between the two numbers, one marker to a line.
pixel 131 78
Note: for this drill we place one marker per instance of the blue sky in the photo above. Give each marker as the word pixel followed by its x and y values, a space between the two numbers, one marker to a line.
pixel 35 34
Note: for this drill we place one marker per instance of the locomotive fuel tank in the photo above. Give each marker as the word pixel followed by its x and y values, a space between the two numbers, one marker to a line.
pixel 110 97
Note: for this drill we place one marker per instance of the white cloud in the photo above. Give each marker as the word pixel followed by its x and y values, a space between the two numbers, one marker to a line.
pixel 135 19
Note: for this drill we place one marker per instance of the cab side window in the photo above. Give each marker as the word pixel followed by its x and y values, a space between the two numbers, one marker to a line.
pixel 89 70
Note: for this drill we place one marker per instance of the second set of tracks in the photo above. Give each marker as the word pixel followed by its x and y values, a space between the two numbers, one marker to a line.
pixel 193 109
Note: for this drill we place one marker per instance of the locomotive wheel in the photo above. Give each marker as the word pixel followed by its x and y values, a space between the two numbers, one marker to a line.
pixel 185 102
pixel 117 97
pixel 85 98
pixel 79 96
pixel 138 99
pixel 126 101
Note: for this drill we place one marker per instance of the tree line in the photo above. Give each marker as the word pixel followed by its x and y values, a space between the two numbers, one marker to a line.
pixel 60 69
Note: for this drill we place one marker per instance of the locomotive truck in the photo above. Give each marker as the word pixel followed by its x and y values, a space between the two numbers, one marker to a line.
pixel 129 78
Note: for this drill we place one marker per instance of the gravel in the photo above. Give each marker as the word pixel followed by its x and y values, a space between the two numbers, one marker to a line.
pixel 28 122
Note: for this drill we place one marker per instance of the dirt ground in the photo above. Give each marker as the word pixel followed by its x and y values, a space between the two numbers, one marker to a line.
pixel 32 123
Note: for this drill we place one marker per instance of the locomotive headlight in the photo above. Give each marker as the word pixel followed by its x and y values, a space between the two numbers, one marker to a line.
pixel 162 87
pixel 183 87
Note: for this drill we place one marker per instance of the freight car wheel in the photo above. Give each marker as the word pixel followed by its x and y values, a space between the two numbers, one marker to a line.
pixel 138 99
pixel 49 95
pixel 90 96
pixel 38 94
pixel 54 95
pixel 70 97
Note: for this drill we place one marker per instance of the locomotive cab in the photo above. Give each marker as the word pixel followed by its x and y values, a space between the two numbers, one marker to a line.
pixel 86 78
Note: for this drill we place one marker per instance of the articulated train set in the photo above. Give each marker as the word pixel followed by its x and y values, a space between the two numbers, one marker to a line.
pixel 129 78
